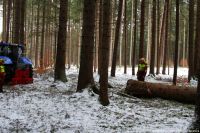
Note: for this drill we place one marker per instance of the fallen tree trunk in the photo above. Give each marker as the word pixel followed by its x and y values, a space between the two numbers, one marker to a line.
pixel 182 94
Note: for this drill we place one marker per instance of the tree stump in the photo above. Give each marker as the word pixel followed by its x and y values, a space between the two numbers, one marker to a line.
pixel 182 94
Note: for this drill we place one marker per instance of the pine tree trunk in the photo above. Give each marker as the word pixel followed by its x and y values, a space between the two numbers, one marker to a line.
pixel 16 22
pixel 131 36
pixel 142 26
pixel 37 36
pixel 197 68
pixel 191 40
pixel 8 20
pixel 153 43
pixel 61 45
pixel 96 35
pixel 4 20
pixel 176 43
pixel 55 34
pixel 148 45
pixel 158 38
pixel 197 43
pixel 22 21
pixel 43 35
pixel 107 11
pixel 125 37
pixel 197 55
pixel 166 38
pixel 135 40
pixel 86 65
pixel 31 33
pixel 117 37
pixel 69 43
pixel 162 38
pixel 100 33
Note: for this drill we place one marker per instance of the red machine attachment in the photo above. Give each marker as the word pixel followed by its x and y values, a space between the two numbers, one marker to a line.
pixel 22 77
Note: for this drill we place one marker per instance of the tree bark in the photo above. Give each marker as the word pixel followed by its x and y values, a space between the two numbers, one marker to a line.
pixel 161 39
pixel 117 37
pixel 69 42
pixel 166 38
pixel 107 12
pixel 135 40
pixel 197 69
pixel 86 65
pixel 153 43
pixel 8 20
pixel 125 37
pixel 197 43
pixel 4 26
pixel 43 35
pixel 96 35
pixel 144 89
pixel 131 34
pixel 22 21
pixel 37 36
pixel 61 44
pixel 142 26
pixel 158 38
pixel 100 33
pixel 176 44
pixel 16 22
pixel 191 40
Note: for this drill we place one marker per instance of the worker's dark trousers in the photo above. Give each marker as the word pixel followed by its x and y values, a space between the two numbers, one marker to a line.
pixel 141 75
pixel 1 82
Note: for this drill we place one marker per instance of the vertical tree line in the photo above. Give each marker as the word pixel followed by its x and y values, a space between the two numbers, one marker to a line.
pixel 82 35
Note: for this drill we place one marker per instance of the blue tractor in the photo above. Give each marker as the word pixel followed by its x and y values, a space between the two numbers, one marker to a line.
pixel 18 68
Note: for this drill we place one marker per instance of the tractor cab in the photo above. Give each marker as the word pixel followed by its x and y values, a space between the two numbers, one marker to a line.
pixel 18 68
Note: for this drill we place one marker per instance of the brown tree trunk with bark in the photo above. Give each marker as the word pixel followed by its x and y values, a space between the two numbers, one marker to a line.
pixel 69 42
pixel 153 43
pixel 197 43
pixel 16 22
pixel 198 58
pixel 37 36
pixel 158 38
pixel 125 37
pixel 61 45
pixel 142 26
pixel 22 21
pixel 8 19
pixel 131 34
pixel 135 40
pixel 117 37
pixel 145 89
pixel 176 44
pixel 107 12
pixel 43 35
pixel 191 40
pixel 100 33
pixel 85 77
pixel 166 37
pixel 96 35
pixel 196 124
pixel 162 38
pixel 4 20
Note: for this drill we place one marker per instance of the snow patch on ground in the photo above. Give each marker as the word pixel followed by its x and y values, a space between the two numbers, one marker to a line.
pixel 48 106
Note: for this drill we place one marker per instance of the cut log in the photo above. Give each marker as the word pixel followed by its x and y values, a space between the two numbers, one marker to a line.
pixel 182 94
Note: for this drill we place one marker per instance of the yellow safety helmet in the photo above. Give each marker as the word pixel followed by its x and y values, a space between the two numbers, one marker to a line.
pixel 142 60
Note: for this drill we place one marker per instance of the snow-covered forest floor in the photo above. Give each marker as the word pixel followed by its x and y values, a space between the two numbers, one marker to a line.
pixel 47 106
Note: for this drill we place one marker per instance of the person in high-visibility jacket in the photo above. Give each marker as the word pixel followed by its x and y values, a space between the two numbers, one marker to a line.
pixel 2 74
pixel 142 69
